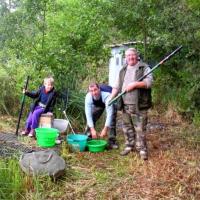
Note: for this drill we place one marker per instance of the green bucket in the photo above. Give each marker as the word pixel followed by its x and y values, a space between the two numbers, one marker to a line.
pixel 97 145
pixel 46 137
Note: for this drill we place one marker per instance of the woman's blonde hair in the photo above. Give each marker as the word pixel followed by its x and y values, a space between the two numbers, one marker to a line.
pixel 49 79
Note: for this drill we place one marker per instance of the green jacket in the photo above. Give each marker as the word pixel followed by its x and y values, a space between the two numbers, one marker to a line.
pixel 144 95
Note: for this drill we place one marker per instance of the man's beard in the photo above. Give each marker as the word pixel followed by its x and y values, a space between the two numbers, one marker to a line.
pixel 96 97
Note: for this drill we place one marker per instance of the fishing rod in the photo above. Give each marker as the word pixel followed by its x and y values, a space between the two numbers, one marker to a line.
pixel 141 78
pixel 22 104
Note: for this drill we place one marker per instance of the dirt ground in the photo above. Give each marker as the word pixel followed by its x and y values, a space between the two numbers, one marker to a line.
pixel 171 172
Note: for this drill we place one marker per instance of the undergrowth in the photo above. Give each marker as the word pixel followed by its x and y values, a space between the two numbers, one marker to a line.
pixel 172 171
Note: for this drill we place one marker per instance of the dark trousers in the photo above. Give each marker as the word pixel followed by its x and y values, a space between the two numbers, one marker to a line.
pixel 96 114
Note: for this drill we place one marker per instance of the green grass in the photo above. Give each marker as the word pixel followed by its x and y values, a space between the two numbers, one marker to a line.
pixel 172 171
pixel 11 180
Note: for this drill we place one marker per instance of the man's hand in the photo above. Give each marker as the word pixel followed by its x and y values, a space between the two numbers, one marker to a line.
pixel 104 132
pixel 135 85
pixel 131 86
pixel 113 94
pixel 93 132
pixel 24 91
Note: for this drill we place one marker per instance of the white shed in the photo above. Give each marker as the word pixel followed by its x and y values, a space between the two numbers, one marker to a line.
pixel 117 59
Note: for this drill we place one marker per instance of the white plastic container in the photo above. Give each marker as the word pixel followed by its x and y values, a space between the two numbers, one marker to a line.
pixel 60 124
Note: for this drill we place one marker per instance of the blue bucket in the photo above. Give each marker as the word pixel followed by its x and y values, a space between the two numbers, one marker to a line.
pixel 77 141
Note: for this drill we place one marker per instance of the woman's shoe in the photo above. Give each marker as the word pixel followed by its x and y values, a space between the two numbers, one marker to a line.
pixel 32 133
pixel 25 132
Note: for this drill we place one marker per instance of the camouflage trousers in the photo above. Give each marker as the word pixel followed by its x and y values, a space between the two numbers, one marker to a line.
pixel 134 127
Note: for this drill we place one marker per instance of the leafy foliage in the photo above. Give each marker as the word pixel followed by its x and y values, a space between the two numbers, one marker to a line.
pixel 62 38
pixel 67 39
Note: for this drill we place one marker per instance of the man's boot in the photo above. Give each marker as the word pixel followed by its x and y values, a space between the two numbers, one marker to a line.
pixel 126 151
pixel 144 155
pixel 112 144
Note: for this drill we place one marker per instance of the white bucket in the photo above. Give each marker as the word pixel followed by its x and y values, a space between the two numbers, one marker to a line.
pixel 60 124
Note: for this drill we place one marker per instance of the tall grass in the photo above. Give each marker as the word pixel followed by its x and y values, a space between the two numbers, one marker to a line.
pixel 11 180
pixel 14 184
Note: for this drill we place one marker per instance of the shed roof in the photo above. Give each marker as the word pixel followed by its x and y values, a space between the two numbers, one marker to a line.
pixel 125 44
